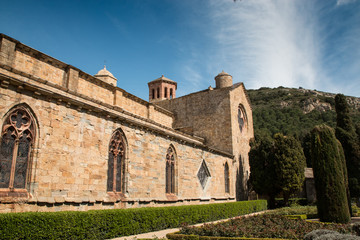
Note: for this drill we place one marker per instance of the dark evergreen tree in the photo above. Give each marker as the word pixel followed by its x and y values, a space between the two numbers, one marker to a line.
pixel 306 144
pixel 346 133
pixel 289 163
pixel 262 174
pixel 330 177
pixel 277 166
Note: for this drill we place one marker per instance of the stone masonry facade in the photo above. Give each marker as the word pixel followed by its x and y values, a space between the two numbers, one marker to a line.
pixel 73 141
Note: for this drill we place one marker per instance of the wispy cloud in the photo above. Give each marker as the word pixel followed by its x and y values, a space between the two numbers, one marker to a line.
pixel 344 2
pixel 268 43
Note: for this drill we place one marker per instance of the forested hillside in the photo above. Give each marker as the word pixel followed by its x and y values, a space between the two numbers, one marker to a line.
pixel 295 111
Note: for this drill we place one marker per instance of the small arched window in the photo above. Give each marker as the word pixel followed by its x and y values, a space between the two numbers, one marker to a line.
pixel 116 162
pixel 153 93
pixel 17 140
pixel 158 93
pixel 170 170
pixel 165 92
pixel 171 93
pixel 242 118
pixel 227 178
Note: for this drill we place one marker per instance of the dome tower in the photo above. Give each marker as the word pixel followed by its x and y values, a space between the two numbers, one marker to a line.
pixel 106 76
pixel 223 79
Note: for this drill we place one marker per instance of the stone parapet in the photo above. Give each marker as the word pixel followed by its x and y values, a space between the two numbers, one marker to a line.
pixel 28 62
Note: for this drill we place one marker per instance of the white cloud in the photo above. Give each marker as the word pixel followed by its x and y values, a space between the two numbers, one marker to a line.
pixel 268 43
pixel 344 2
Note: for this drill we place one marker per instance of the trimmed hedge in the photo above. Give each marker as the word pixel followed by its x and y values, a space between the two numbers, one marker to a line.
pixel 279 202
pixel 178 236
pixel 301 216
pixel 104 224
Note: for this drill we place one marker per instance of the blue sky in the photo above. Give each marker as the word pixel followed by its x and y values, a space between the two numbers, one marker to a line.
pixel 314 44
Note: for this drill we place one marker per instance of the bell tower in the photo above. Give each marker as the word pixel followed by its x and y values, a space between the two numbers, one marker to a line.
pixel 162 88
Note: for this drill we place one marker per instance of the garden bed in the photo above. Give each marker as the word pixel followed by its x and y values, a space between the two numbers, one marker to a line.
pixel 268 226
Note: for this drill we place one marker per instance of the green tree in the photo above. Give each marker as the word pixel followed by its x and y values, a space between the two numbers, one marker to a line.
pixel 330 176
pixel 263 173
pixel 277 166
pixel 346 133
pixel 289 163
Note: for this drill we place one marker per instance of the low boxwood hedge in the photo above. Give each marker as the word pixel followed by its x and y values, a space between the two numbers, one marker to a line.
pixel 178 236
pixel 105 224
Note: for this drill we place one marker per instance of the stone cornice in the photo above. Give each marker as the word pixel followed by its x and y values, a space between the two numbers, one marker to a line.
pixel 61 65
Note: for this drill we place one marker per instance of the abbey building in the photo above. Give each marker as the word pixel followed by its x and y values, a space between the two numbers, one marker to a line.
pixel 73 141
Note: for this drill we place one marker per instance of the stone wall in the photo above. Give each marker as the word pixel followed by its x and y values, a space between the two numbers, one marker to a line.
pixel 205 114
pixel 241 139
pixel 213 115
pixel 69 160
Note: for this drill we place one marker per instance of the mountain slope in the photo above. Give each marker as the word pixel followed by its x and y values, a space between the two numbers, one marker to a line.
pixel 295 111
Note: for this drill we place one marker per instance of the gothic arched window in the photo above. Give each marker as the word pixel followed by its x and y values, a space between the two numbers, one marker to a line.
pixel 242 118
pixel 227 179
pixel 17 140
pixel 116 162
pixel 170 170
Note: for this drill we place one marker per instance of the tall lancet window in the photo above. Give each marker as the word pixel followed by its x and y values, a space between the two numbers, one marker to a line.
pixel 17 140
pixel 170 170
pixel 116 162
pixel 227 178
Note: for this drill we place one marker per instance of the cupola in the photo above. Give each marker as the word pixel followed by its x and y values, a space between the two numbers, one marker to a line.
pixel 106 76
pixel 162 88
pixel 223 79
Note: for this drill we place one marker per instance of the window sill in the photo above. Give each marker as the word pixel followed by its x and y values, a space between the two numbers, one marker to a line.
pixel 171 197
pixel 15 195
pixel 115 196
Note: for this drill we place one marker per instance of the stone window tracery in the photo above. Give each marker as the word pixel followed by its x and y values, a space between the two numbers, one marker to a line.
pixel 242 118
pixel 227 179
pixel 116 162
pixel 203 174
pixel 17 140
pixel 170 170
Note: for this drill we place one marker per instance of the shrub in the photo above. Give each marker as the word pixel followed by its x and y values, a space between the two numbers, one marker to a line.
pixel 323 234
pixel 318 232
pixel 279 202
pixel 104 224
pixel 296 210
pixel 356 228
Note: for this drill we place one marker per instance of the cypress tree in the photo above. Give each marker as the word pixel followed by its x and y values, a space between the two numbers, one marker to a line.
pixel 328 166
pixel 347 135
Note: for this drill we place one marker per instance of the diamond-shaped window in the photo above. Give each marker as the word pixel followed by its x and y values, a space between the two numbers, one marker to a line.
pixel 203 174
